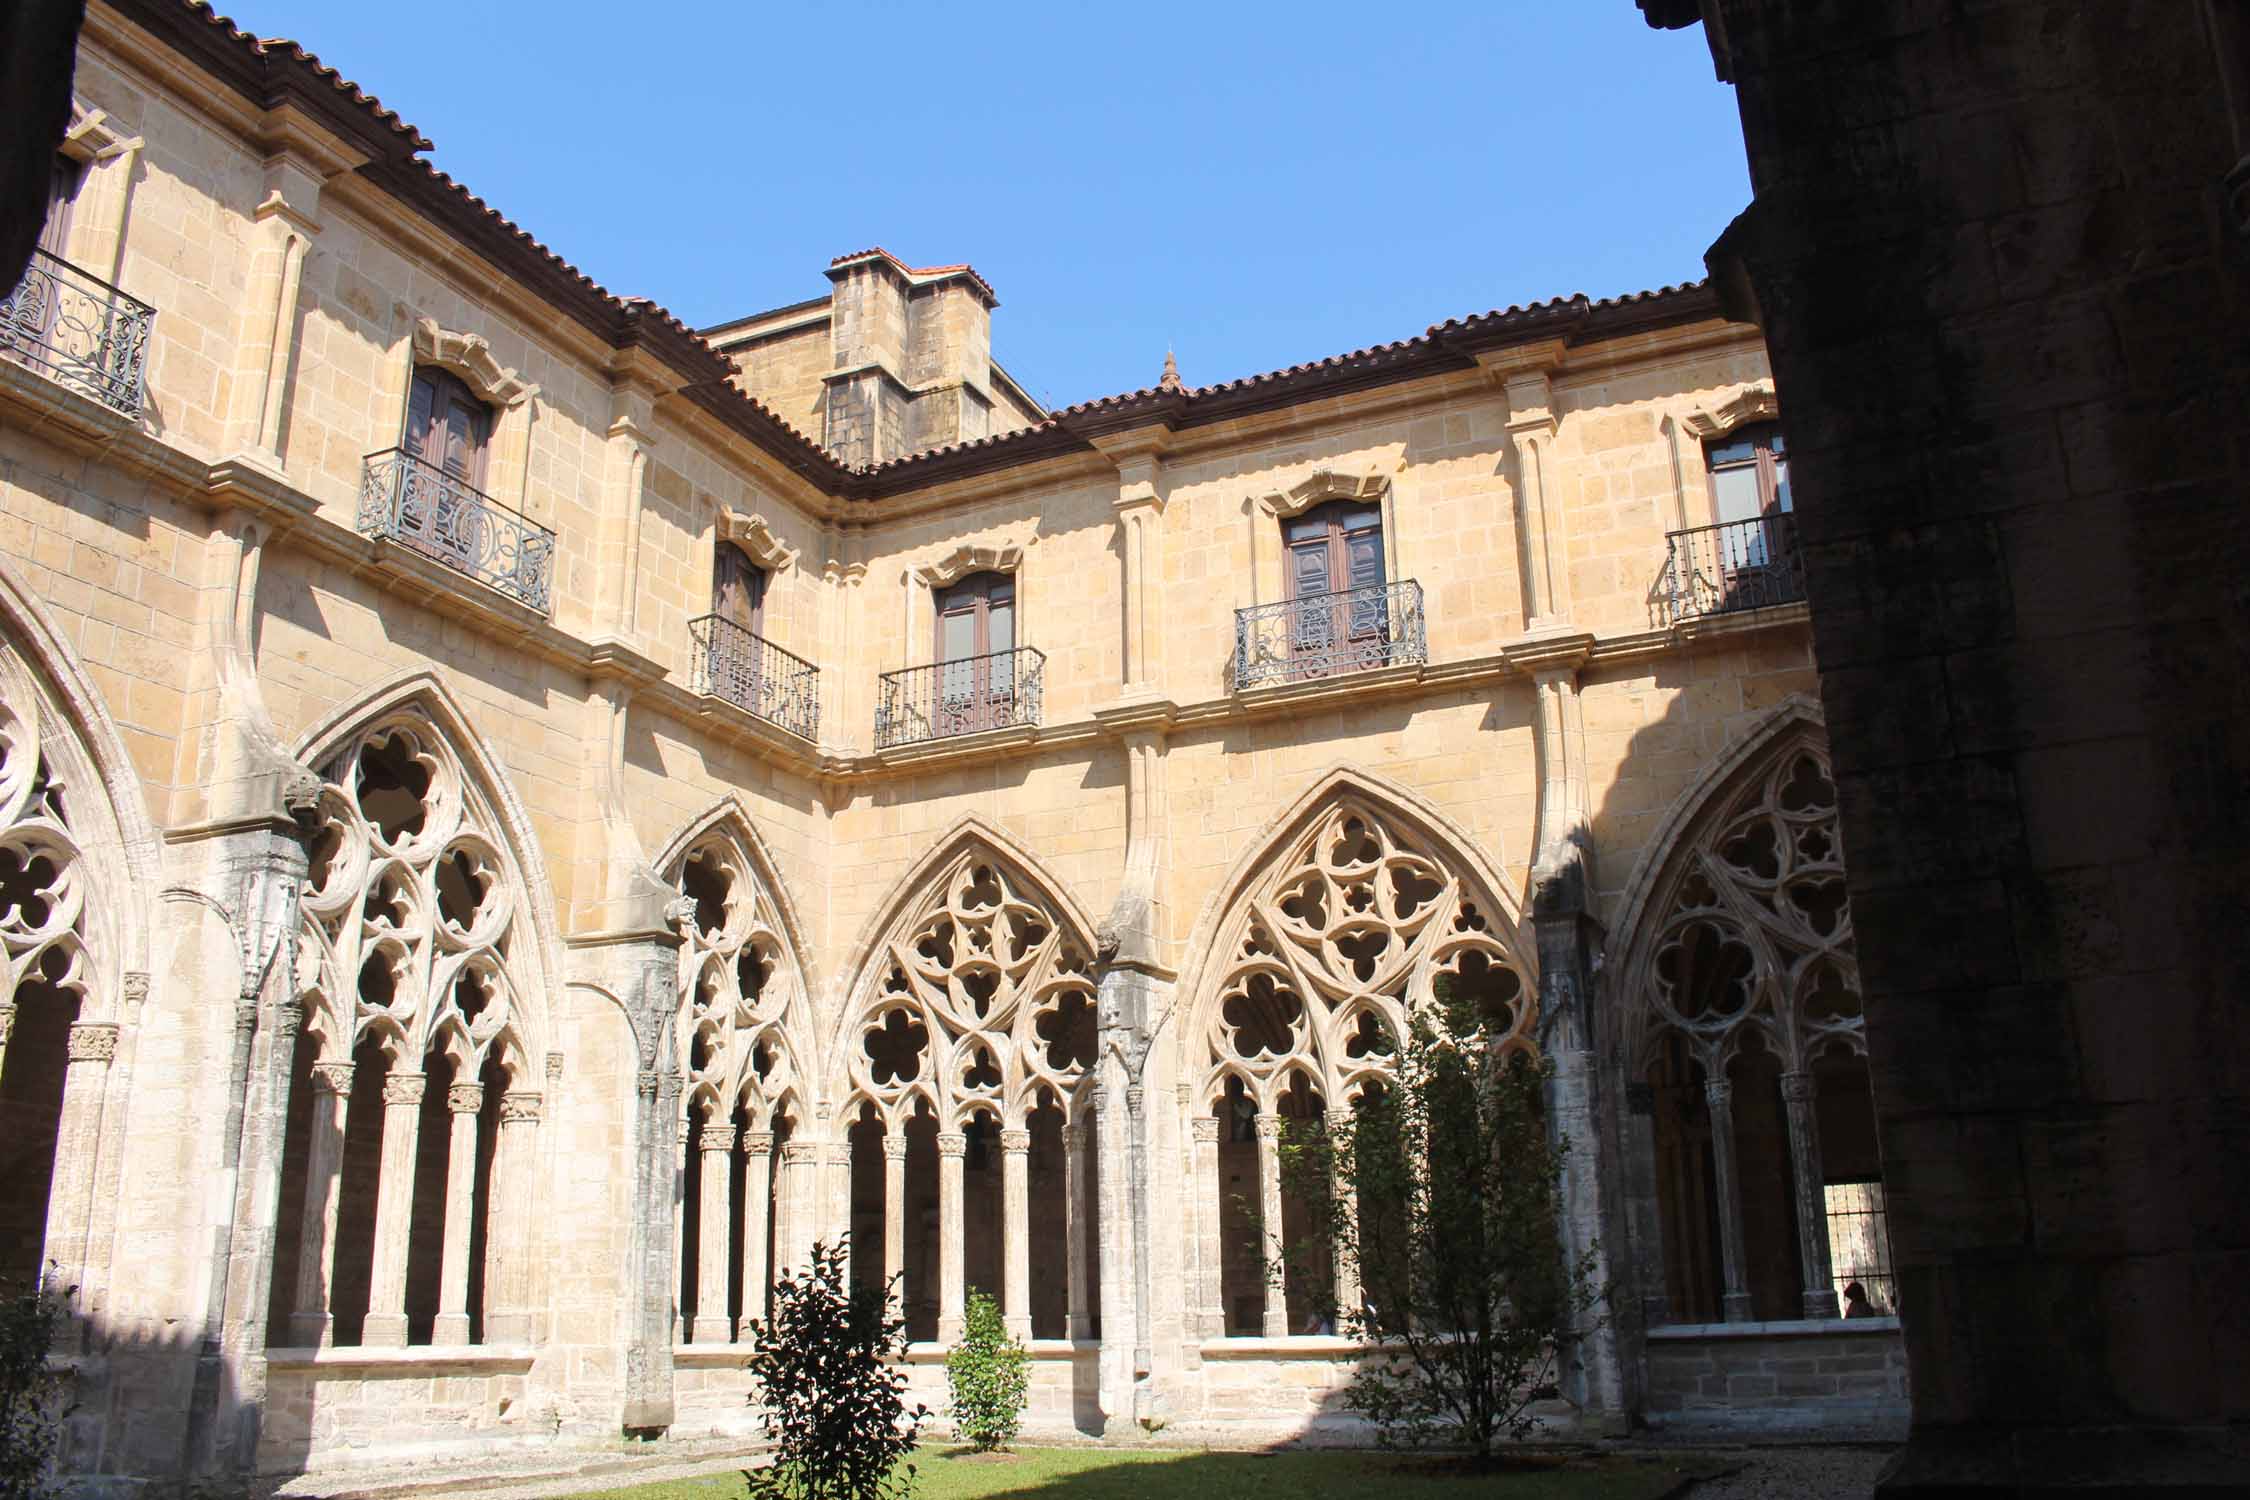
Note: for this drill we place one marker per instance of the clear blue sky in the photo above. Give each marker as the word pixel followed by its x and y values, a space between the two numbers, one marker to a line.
pixel 1256 185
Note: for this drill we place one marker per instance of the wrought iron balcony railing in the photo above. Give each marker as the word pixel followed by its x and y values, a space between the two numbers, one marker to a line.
pixel 1736 565
pixel 419 505
pixel 947 698
pixel 79 331
pixel 1326 635
pixel 753 673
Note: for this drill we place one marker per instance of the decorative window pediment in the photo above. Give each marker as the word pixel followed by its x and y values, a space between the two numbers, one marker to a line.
pixel 983 557
pixel 1323 485
pixel 469 356
pixel 756 538
pixel 1753 404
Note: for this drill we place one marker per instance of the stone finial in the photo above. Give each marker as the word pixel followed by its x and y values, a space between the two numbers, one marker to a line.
pixel 1170 379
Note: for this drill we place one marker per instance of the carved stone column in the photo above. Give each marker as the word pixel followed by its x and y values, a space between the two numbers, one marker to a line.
pixel 1210 1298
pixel 70 1202
pixel 1812 1200
pixel 951 1144
pixel 394 1210
pixel 1347 1204
pixel 755 1222
pixel 309 1319
pixel 1718 1093
pixel 1269 1226
pixel 835 1221
pixel 7 1023
pixel 463 1103
pixel 714 1146
pixel 507 1277
pixel 1074 1228
pixel 1015 1196
pixel 894 1222
pixel 800 1170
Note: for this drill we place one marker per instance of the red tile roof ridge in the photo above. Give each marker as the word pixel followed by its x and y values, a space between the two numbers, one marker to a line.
pixel 265 46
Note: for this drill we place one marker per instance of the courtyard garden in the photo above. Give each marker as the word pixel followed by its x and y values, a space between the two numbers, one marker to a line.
pixel 1195 1474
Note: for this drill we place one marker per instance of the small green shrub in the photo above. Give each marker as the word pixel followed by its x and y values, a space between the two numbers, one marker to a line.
pixel 991 1378
pixel 831 1390
pixel 31 1394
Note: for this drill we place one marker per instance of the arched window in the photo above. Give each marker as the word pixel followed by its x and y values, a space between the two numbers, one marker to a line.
pixel 1327 952
pixel 405 1210
pixel 1749 1055
pixel 975 1033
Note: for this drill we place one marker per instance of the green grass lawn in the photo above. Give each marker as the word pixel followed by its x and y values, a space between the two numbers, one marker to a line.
pixel 1116 1474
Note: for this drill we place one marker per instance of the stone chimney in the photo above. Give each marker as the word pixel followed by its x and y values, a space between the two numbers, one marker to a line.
pixel 911 363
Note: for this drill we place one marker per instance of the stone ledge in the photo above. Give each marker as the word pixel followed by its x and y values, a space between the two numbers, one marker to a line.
pixel 416 1358
pixel 1301 1346
pixel 1784 1328
pixel 931 1353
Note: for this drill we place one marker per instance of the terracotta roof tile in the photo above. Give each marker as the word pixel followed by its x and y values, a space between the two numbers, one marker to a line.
pixel 959 268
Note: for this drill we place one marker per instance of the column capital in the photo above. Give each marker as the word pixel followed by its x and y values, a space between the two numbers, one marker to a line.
pixel 517 1105
pixel 333 1077
pixel 1074 1137
pixel 464 1098
pixel 894 1146
pixel 1206 1130
pixel 645 1083
pixel 400 1089
pixel 1015 1142
pixel 800 1153
pixel 757 1142
pixel 1718 1092
pixel 7 1019
pixel 1339 1121
pixel 838 1154
pixel 93 1041
pixel 952 1144
pixel 718 1139
pixel 1797 1087
pixel 1268 1128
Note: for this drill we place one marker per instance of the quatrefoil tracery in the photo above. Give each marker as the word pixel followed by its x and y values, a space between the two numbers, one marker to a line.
pixel 42 877
pixel 1346 934
pixel 981 970
pixel 1757 942
pixel 736 984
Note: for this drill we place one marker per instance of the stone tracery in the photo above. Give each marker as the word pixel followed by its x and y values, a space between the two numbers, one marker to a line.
pixel 1327 954
pixel 413 953
pixel 971 1047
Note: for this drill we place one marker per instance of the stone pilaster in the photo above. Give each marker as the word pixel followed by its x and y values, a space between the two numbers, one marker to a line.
pixel 1797 1091
pixel 951 1146
pixel 1210 1308
pixel 394 1210
pixel 1015 1191
pixel 70 1200
pixel 463 1103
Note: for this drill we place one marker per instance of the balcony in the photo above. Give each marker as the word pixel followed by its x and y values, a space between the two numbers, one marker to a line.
pixel 755 675
pixel 79 331
pixel 950 698
pixel 1737 565
pixel 426 510
pixel 1329 635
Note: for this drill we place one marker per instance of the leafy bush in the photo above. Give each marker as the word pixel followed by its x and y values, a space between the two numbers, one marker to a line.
pixel 1442 1196
pixel 991 1377
pixel 833 1397
pixel 31 1394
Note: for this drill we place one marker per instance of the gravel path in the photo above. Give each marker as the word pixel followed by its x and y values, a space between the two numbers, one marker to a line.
pixel 1797 1474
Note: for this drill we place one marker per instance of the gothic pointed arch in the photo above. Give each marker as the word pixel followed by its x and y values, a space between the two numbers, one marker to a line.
pixel 427 874
pixel 973 988
pixel 1335 922
pixel 744 1035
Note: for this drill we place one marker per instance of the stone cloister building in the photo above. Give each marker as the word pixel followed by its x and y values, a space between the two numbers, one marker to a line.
pixel 517 817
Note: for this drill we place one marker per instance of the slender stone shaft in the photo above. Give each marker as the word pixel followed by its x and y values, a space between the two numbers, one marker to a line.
pixel 1210 1219
pixel 1269 1226
pixel 714 1146
pixel 70 1200
pixel 757 1211
pixel 507 1276
pixel 894 1222
pixel 951 1145
pixel 1015 1193
pixel 310 1323
pixel 1812 1199
pixel 463 1102
pixel 1074 1226
pixel 1718 1093
pixel 1347 1208
pixel 394 1210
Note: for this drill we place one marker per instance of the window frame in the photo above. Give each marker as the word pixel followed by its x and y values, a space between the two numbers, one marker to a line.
pixel 449 393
